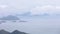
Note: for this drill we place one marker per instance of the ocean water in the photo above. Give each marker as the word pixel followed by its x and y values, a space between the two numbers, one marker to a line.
pixel 34 25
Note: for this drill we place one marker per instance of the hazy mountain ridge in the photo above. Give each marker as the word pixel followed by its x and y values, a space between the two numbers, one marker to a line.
pixel 44 14
pixel 10 17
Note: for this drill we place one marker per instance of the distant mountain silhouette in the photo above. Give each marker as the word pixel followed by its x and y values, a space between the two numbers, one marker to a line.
pixel 4 32
pixel 14 32
pixel 10 17
pixel 18 32
pixel 25 14
pixel 29 14
pixel 45 14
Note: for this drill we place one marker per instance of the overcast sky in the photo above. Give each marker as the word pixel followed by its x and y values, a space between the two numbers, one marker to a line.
pixel 33 6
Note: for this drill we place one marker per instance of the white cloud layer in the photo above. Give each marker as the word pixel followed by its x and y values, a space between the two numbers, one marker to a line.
pixel 33 6
pixel 49 9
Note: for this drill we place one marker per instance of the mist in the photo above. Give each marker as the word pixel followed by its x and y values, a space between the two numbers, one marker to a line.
pixel 35 25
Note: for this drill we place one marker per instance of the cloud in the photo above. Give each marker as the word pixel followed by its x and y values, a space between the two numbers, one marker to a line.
pixel 50 9
pixel 3 6
pixel 23 6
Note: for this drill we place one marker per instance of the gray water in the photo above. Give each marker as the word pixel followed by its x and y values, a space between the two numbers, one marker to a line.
pixel 35 25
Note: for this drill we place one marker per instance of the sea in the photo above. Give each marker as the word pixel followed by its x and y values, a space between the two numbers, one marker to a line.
pixel 34 25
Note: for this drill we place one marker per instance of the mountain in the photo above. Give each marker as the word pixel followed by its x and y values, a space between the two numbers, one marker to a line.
pixel 14 32
pixel 25 14
pixel 45 14
pixel 10 17
pixel 29 14
pixel 18 32
pixel 4 32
